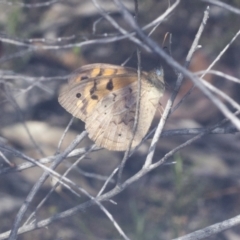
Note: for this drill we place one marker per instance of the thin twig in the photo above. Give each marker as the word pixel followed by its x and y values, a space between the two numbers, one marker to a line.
pixel 28 5
pixel 77 152
pixel 63 135
pixel 169 105
pixel 211 230
pixel 223 5
pixel 138 102
pixel 32 193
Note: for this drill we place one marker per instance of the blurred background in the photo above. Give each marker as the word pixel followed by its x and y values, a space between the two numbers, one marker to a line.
pixel 200 189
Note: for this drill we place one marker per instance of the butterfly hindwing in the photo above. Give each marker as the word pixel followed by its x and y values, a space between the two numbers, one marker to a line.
pixel 113 126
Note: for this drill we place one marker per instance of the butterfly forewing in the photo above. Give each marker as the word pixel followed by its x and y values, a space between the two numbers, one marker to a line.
pixel 81 98
pixel 99 70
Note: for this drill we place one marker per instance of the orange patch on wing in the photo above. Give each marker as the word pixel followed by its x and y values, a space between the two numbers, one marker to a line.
pixel 101 90
pixel 95 72
pixel 108 72
pixel 78 79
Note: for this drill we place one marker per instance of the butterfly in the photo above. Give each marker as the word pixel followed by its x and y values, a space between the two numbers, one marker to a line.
pixel 104 96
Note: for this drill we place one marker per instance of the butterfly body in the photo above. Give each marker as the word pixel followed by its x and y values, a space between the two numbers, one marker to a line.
pixel 105 97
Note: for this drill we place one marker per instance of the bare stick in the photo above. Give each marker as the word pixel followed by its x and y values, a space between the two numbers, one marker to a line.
pixel 211 230
pixel 223 5
pixel 32 193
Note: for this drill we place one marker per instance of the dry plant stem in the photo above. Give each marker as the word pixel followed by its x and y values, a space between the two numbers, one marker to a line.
pixel 59 180
pixel 155 24
pixel 207 70
pixel 222 94
pixel 206 16
pixel 6 160
pixel 216 129
pixel 34 5
pixel 35 82
pixel 182 99
pixel 92 198
pixel 211 230
pixel 116 25
pixel 94 28
pixel 33 162
pixel 64 134
pixel 155 48
pixel 46 40
pixel 219 227
pixel 91 175
pixel 136 117
pixel 162 122
pixel 169 105
pixel 224 5
pixel 220 74
pixel 109 215
pixel 77 152
pixel 32 79
pixel 221 53
pixel 190 141
pixel 71 45
pixel 106 182
pixel 163 17
pixel 198 35
pixel 87 194
pixel 115 224
pixel 36 187
pixel 213 89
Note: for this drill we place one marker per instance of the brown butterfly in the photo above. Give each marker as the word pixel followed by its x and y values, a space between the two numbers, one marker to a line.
pixel 104 96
